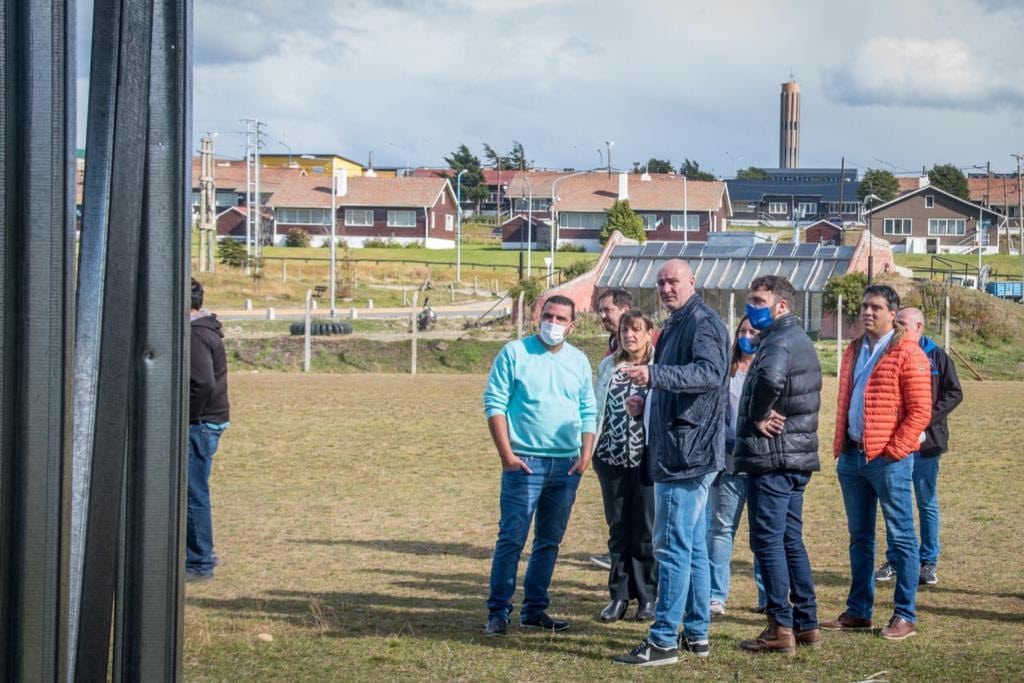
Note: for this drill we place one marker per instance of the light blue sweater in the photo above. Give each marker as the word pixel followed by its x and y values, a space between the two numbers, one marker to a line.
pixel 547 398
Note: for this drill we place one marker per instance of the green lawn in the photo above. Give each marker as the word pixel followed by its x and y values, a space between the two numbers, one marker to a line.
pixel 355 516
pixel 1004 264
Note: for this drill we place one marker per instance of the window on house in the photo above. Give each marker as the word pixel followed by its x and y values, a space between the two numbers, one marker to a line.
pixel 650 221
pixel 359 217
pixel 692 222
pixel 401 219
pixel 805 209
pixel 897 226
pixel 751 207
pixel 582 221
pixel 929 201
pixel 947 226
pixel 303 216
pixel 449 223
pixel 778 208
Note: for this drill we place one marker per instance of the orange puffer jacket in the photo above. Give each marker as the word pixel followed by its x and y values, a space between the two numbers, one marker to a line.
pixel 897 402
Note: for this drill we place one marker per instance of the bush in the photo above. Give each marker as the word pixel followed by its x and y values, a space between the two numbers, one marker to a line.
pixel 574 270
pixel 415 244
pixel 297 237
pixel 231 253
pixel 622 218
pixel 381 243
pixel 571 247
pixel 851 286
pixel 532 289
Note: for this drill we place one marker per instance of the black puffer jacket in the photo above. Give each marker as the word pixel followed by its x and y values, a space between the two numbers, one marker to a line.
pixel 689 397
pixel 208 379
pixel 785 376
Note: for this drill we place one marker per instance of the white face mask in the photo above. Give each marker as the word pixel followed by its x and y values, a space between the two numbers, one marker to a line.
pixel 552 334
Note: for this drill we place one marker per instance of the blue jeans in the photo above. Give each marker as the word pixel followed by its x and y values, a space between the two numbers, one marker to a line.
pixel 926 492
pixel 865 485
pixel 776 502
pixel 681 548
pixel 548 495
pixel 725 508
pixel 203 439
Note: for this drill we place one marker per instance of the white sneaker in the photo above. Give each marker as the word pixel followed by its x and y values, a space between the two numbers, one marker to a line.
pixel 717 607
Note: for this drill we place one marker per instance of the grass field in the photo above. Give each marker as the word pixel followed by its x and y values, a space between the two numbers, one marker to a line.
pixel 355 516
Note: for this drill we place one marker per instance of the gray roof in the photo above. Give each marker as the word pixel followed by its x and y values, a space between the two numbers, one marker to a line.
pixel 725 266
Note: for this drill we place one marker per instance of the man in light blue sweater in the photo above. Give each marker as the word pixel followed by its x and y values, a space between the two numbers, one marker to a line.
pixel 541 412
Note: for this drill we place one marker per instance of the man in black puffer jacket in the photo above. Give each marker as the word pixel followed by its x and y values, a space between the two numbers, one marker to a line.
pixel 777 445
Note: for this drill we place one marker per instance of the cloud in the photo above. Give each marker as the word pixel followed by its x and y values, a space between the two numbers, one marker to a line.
pixel 936 74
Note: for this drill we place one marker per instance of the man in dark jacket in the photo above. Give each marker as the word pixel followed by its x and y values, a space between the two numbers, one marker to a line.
pixel 684 416
pixel 777 445
pixel 208 414
pixel 946 395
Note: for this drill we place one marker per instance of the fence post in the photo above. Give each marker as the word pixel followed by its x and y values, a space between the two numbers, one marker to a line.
pixel 732 318
pixel 309 316
pixel 284 271
pixel 839 334
pixel 453 293
pixel 415 329
pixel 946 345
pixel 271 315
pixel 519 320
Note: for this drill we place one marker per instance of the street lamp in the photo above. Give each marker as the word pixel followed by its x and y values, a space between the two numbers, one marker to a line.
pixel 458 234
pixel 554 221
pixel 529 228
pixel 686 213
pixel 609 144
pixel 870 201
pixel 285 144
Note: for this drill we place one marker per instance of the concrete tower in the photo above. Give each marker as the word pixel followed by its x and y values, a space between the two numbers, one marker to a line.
pixel 789 125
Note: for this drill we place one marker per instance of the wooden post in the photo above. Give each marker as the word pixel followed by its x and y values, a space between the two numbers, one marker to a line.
pixel 309 320
pixel 839 334
pixel 519 320
pixel 732 318
pixel 453 293
pixel 405 301
pixel 415 328
pixel 946 345
pixel 284 271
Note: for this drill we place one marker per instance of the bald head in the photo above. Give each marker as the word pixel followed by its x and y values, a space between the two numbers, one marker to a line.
pixel 675 284
pixel 912 320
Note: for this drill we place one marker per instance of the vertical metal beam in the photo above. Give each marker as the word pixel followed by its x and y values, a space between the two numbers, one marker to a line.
pixel 36 272
pixel 152 604
pixel 108 294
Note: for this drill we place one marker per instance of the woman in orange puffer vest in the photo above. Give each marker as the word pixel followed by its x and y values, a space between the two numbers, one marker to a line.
pixel 897 401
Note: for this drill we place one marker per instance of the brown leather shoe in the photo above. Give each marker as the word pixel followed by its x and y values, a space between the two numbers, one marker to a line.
pixel 847 622
pixel 898 629
pixel 775 638
pixel 810 638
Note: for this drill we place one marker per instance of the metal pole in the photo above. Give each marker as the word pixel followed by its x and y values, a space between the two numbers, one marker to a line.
pixel 519 316
pixel 839 334
pixel 306 344
pixel 945 345
pixel 686 206
pixel 258 215
pixel 248 195
pixel 333 274
pixel 732 318
pixel 1020 223
pixel 37 75
pixel 529 229
pixel 415 331
pixel 458 233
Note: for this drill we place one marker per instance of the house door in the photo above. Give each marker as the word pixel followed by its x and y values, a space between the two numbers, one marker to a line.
pixel 931 246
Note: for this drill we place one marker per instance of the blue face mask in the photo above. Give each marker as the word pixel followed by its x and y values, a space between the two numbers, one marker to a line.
pixel 759 318
pixel 746 345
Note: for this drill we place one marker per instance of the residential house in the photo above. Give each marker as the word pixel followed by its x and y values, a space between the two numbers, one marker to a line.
pixel 229 180
pixel 314 164
pixel 933 221
pixel 824 232
pixel 672 209
pixel 403 209
pixel 787 203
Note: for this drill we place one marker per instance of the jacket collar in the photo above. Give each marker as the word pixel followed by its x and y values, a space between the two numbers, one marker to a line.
pixel 785 321
pixel 684 311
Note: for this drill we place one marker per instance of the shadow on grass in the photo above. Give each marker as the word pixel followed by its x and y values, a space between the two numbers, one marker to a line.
pixel 406 547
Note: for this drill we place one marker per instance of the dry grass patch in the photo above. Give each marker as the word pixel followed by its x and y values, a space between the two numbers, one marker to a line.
pixel 355 516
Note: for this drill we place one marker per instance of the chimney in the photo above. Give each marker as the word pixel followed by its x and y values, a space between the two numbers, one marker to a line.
pixel 623 186
pixel 341 182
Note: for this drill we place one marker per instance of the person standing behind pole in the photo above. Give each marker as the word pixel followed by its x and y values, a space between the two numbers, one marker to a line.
pixel 208 414
pixel 627 492
pixel 729 492
pixel 684 416
pixel 541 414
pixel 777 446
pixel 884 405
pixel 946 395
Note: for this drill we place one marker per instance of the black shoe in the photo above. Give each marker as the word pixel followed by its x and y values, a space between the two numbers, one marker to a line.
pixel 496 626
pixel 645 611
pixel 701 648
pixel 887 572
pixel 602 561
pixel 545 623
pixel 615 610
pixel 649 654
pixel 928 574
pixel 192 576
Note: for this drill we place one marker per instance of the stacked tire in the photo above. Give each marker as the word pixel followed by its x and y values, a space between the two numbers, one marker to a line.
pixel 320 328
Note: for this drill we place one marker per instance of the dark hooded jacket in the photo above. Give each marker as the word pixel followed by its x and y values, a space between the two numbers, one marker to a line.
pixel 689 378
pixel 946 395
pixel 785 376
pixel 208 379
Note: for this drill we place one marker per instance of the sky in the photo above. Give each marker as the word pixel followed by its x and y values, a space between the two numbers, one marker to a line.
pixel 895 85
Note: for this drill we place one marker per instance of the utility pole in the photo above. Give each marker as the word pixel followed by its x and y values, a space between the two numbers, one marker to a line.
pixel 258 216
pixel 207 206
pixel 1020 219
pixel 248 194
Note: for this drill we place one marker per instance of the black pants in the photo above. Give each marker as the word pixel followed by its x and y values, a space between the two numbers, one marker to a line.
pixel 629 511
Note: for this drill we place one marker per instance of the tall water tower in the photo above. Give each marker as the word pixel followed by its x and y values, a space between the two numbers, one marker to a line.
pixel 789 125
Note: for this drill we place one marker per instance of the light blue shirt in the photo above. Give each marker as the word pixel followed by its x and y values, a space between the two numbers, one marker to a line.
pixel 862 368
pixel 547 398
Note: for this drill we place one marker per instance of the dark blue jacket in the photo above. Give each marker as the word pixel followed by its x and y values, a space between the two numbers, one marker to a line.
pixel 690 379
pixel 946 395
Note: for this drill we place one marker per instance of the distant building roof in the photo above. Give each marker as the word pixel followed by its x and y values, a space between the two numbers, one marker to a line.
pixel 1000 191
pixel 229 174
pixel 592 192
pixel 722 266
pixel 315 192
pixel 756 190
pixel 811 174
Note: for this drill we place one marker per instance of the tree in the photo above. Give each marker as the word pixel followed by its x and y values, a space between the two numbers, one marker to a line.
pixel 621 217
pixel 752 173
pixel 949 178
pixel 879 182
pixel 474 188
pixel 517 157
pixel 691 170
pixel 851 286
pixel 495 159
pixel 654 165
